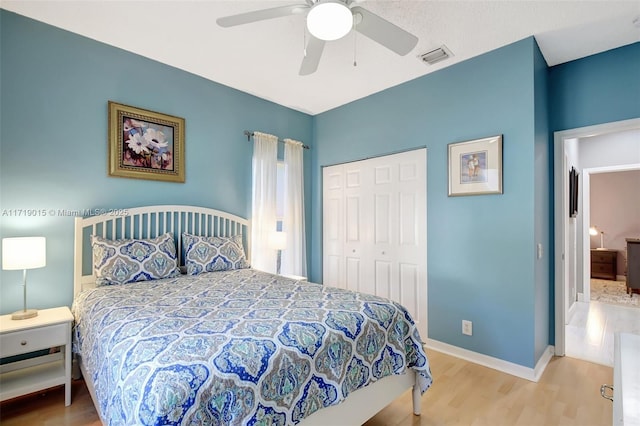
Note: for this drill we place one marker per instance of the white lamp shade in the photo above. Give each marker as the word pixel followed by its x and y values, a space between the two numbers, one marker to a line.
pixel 593 231
pixel 278 240
pixel 329 20
pixel 24 253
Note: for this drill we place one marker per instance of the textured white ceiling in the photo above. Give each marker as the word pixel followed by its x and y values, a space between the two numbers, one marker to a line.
pixel 263 58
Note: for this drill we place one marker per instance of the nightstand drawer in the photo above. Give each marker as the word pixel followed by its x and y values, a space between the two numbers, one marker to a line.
pixel 603 257
pixel 24 341
pixel 601 268
pixel 603 264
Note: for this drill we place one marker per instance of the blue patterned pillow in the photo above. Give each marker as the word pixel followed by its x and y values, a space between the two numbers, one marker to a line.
pixel 127 261
pixel 209 254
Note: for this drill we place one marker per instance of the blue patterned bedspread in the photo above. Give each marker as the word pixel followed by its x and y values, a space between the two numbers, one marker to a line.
pixel 237 347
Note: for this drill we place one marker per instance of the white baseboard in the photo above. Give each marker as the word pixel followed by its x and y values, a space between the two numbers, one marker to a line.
pixel 572 309
pixel 532 374
pixel 580 297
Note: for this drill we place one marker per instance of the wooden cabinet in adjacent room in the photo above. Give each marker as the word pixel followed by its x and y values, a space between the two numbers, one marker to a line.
pixel 603 264
pixel 633 265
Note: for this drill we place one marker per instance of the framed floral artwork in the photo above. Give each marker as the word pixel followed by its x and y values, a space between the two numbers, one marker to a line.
pixel 145 144
pixel 475 167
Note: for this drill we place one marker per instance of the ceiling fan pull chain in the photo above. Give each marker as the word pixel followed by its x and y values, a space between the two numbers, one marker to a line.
pixel 304 41
pixel 355 48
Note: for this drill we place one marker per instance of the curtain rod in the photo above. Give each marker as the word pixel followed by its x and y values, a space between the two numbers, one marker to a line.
pixel 249 134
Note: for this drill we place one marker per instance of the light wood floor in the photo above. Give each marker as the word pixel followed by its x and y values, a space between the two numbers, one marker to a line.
pixel 462 394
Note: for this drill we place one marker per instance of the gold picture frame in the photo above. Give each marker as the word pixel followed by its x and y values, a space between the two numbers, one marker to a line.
pixel 145 144
pixel 475 167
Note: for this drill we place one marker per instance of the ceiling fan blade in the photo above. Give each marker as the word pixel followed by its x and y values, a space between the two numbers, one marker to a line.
pixel 312 58
pixel 384 32
pixel 260 15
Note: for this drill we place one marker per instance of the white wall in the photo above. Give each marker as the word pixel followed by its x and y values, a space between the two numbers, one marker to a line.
pixel 613 149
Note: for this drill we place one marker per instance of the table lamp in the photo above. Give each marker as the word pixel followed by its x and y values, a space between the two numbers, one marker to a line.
pixel 594 231
pixel 24 253
pixel 279 242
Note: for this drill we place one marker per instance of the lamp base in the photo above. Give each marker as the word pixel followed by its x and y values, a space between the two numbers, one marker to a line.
pixel 24 314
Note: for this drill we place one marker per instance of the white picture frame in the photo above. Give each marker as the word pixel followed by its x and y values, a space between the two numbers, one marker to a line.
pixel 475 167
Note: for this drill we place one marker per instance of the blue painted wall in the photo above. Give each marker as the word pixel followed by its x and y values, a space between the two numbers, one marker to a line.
pixel 53 153
pixel 481 249
pixel 597 89
pixel 543 216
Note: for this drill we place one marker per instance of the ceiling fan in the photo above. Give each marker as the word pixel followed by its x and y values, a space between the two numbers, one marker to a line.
pixel 329 20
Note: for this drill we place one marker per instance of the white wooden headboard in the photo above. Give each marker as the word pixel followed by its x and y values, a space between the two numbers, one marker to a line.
pixel 149 222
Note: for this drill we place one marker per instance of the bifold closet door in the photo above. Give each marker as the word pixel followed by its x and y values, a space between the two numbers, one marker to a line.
pixel 374 229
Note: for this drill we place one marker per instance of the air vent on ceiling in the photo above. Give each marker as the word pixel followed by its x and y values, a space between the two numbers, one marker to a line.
pixel 436 55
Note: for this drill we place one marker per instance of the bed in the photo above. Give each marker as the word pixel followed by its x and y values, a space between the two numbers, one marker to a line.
pixel 225 343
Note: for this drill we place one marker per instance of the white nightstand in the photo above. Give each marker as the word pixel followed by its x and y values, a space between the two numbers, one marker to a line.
pixel 51 328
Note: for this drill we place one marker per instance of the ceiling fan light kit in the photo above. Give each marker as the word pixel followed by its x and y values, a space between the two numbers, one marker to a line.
pixel 329 20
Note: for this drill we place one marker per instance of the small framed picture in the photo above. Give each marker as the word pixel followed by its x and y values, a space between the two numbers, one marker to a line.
pixel 145 144
pixel 475 167
pixel 573 192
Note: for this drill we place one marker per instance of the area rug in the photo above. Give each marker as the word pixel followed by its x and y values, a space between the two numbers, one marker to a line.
pixel 613 292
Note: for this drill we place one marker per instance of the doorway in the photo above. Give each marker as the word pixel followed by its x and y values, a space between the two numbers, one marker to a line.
pixel 570 253
pixel 588 174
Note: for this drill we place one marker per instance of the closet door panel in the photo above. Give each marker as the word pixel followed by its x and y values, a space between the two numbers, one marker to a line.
pixel 382 278
pixel 333 227
pixel 353 274
pixel 408 289
pixel 353 219
pixel 407 219
pixel 382 219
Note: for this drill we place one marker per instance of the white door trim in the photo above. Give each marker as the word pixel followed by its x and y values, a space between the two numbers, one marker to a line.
pixel 561 218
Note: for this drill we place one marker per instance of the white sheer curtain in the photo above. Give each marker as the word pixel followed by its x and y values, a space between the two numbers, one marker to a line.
pixel 263 205
pixel 294 256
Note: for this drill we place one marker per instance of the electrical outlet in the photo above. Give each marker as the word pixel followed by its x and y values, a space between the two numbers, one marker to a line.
pixel 467 327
